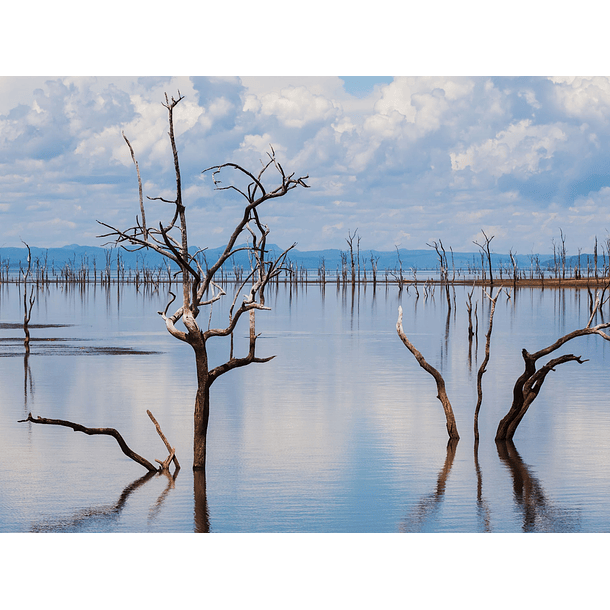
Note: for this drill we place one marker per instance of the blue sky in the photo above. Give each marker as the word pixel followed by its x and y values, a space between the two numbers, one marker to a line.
pixel 405 160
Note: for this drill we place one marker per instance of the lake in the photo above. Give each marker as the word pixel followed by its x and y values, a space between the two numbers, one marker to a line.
pixel 341 432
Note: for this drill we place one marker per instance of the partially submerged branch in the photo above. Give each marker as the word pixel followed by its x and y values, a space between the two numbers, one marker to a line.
pixel 171 450
pixel 116 435
pixel 528 385
pixel 483 367
pixel 440 382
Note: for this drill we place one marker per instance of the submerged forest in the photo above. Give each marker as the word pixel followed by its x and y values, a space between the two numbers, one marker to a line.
pixel 367 392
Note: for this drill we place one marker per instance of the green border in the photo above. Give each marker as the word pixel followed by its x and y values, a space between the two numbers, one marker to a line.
pixel 304 571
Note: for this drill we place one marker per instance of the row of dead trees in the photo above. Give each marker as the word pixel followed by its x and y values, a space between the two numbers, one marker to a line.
pixel 354 269
pixel 529 383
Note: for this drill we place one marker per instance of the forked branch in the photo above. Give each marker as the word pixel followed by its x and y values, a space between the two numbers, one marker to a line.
pixel 528 385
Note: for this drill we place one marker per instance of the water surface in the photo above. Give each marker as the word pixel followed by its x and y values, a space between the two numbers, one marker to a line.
pixel 341 432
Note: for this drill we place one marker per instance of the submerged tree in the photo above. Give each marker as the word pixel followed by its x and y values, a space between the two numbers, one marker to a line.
pixel 438 378
pixel 27 304
pixel 528 385
pixel 201 288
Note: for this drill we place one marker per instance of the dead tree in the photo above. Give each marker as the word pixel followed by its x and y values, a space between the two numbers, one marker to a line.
pixel 350 242
pixel 27 304
pixel 483 367
pixel 374 260
pixel 398 276
pixel 529 384
pixel 443 268
pixel 486 254
pixel 515 265
pixel 117 436
pixel 440 382
pixel 171 241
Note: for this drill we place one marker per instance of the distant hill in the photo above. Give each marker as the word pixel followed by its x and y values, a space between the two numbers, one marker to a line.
pixel 421 260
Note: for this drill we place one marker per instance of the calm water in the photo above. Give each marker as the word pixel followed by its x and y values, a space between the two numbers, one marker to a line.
pixel 341 432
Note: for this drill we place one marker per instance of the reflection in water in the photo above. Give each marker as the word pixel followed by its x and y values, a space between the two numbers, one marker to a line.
pixel 171 483
pixel 85 517
pixel 28 382
pixel 430 502
pixel 82 517
pixel 483 511
pixel 539 515
pixel 361 371
pixel 202 514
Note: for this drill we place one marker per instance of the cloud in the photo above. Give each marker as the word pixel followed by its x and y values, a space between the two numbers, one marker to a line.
pixel 583 97
pixel 519 149
pixel 418 156
pixel 293 106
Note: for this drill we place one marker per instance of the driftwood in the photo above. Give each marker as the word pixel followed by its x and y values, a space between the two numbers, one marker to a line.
pixel 440 382
pixel 528 385
pixel 116 435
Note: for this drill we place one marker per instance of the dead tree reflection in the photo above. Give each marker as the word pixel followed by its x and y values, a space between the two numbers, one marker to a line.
pixel 483 510
pixel 429 503
pixel 202 513
pixel 84 518
pixel 171 484
pixel 538 514
pixel 28 381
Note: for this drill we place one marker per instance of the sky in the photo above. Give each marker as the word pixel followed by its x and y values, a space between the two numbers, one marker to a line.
pixel 404 160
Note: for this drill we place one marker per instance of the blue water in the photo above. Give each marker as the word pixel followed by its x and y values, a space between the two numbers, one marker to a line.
pixel 341 432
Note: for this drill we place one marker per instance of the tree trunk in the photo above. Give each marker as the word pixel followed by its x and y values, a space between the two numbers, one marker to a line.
pixel 202 408
pixel 202 514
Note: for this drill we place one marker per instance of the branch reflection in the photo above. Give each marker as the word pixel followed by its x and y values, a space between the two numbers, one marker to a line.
pixel 28 382
pixel 430 502
pixel 483 511
pixel 91 517
pixel 538 514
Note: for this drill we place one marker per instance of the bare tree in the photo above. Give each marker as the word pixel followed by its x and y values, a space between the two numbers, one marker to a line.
pixel 200 288
pixel 398 276
pixel 528 385
pixel 440 382
pixel 374 260
pixel 27 304
pixel 443 268
pixel 350 242
pixel 515 265
pixel 486 254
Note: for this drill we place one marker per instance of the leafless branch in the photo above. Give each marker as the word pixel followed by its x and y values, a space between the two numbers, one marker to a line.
pixel 93 431
pixel 440 382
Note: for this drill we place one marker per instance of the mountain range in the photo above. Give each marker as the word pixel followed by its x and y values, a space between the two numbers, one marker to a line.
pixel 77 256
